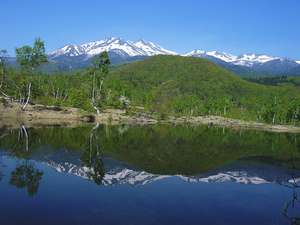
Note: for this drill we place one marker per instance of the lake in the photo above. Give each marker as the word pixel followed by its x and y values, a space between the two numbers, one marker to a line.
pixel 159 174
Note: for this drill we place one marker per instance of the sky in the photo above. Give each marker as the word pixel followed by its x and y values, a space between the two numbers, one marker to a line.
pixel 249 26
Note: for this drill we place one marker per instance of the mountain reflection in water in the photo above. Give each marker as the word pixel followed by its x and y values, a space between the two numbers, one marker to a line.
pixel 245 166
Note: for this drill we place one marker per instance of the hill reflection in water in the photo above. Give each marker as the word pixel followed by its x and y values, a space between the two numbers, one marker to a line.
pixel 208 165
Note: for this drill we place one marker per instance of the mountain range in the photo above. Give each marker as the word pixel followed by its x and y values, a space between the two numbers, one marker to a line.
pixel 120 51
pixel 251 64
pixel 128 48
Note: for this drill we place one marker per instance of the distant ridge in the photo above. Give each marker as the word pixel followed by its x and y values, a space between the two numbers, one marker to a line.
pixel 124 51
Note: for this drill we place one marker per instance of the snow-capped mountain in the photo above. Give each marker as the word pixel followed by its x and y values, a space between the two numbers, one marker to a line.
pixel 147 48
pixel 68 50
pixel 248 60
pixel 218 55
pixel 152 49
pixel 117 45
pixel 122 51
pixel 252 59
pixel 259 64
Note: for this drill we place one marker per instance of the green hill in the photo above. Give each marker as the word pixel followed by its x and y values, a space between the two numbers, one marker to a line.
pixel 165 86
pixel 192 86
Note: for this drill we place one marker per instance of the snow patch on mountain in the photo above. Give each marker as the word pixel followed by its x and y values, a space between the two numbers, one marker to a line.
pixel 219 55
pixel 195 52
pixel 222 56
pixel 152 49
pixel 251 59
pixel 69 50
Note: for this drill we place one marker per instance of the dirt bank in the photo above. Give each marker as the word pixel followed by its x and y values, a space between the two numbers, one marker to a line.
pixel 40 115
pixel 234 123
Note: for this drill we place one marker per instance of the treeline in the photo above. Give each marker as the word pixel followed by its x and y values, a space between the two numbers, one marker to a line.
pixel 276 81
pixel 162 86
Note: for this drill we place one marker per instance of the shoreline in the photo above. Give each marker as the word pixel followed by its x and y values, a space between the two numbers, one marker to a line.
pixel 218 121
pixel 11 114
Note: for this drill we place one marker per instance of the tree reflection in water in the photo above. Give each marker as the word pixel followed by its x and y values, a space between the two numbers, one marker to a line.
pixel 26 176
pixel 92 158
pixel 294 203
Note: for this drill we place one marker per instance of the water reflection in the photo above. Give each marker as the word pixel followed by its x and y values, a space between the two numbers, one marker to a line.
pixel 164 150
pixel 1 172
pixel 139 156
pixel 292 205
pixel 26 176
pixel 92 158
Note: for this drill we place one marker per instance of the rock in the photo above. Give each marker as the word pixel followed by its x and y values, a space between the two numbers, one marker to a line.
pixel 88 118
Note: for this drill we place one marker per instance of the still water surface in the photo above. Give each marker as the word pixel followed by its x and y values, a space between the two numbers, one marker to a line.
pixel 148 175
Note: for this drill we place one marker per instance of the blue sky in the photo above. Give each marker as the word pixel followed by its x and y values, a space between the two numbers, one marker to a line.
pixel 260 26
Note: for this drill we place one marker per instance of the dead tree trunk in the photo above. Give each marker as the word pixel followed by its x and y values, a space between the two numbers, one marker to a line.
pixel 94 95
pixel 274 117
pixel 28 97
pixel 23 130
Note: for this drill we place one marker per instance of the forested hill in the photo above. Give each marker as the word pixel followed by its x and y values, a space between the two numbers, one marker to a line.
pixel 164 86
pixel 193 86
